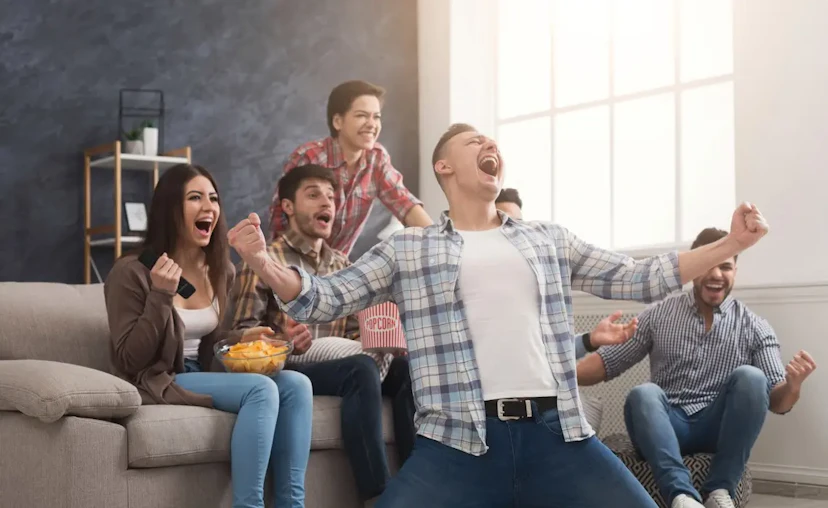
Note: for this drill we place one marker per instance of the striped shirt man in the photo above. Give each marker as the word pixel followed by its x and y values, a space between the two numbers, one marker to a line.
pixel 418 269
pixel 689 363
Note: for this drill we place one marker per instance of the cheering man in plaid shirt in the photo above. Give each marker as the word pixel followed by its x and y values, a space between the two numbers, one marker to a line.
pixel 715 370
pixel 307 194
pixel 361 165
pixel 485 303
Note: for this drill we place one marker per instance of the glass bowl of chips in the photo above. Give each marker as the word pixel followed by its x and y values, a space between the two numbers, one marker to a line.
pixel 261 356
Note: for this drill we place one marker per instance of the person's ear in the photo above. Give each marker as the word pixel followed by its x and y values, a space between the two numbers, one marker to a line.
pixel 442 168
pixel 337 122
pixel 287 207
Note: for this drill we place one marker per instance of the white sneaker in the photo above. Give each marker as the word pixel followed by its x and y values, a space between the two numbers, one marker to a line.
pixel 685 501
pixel 719 498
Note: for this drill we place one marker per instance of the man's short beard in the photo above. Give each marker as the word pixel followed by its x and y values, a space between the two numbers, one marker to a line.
pixel 305 225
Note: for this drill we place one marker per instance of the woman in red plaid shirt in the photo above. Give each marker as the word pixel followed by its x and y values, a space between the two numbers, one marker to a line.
pixel 360 164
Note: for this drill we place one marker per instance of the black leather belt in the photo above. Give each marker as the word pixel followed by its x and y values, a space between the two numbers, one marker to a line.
pixel 518 408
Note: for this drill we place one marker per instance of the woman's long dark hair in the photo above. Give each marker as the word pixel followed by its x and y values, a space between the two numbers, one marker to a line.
pixel 166 222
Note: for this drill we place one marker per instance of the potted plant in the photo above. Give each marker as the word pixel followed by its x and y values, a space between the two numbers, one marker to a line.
pixel 150 137
pixel 133 142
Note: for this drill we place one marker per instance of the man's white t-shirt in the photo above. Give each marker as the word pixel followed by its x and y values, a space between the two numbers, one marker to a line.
pixel 502 300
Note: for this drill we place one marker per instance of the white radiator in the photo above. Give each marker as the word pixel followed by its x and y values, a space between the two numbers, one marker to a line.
pixel 614 393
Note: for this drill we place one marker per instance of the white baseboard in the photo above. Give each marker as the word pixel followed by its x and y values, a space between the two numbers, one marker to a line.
pixel 789 474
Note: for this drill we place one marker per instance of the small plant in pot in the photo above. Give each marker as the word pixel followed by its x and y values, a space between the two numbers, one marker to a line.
pixel 133 143
pixel 150 136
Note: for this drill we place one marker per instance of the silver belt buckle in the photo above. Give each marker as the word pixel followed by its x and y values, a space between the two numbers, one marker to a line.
pixel 503 418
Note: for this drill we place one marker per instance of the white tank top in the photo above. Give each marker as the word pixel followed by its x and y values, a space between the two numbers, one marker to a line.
pixel 197 324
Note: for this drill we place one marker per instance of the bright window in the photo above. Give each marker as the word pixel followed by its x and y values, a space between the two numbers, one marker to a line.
pixel 615 117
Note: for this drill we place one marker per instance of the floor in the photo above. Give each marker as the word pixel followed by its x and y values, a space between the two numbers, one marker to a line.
pixel 762 501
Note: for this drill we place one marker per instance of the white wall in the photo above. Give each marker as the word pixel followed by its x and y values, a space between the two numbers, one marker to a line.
pixel 781 95
pixel 454 70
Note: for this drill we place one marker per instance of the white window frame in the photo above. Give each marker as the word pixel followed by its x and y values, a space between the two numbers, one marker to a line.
pixel 611 102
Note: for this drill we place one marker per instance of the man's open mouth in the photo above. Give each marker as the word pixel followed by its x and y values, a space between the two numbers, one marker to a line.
pixel 714 286
pixel 324 218
pixel 489 164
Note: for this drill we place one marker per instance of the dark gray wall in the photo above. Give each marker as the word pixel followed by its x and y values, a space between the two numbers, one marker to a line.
pixel 244 83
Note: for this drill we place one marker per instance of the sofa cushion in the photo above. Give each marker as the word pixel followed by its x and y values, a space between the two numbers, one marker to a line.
pixel 50 390
pixel 57 322
pixel 327 430
pixel 164 435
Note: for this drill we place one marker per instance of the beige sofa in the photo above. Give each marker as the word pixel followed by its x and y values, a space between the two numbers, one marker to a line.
pixel 72 435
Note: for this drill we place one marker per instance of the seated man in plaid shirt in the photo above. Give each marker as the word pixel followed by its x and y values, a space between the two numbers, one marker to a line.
pixel 307 194
pixel 361 166
pixel 485 302
pixel 715 371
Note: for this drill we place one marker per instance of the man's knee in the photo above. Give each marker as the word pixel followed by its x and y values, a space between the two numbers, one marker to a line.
pixel 364 372
pixel 747 380
pixel 645 399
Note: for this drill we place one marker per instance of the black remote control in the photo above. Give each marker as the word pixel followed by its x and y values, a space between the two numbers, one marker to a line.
pixel 148 259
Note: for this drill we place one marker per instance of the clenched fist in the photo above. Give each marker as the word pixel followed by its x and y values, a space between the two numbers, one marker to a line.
pixel 165 274
pixel 247 238
pixel 799 368
pixel 748 225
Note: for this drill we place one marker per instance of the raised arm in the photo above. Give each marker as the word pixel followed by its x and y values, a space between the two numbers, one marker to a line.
pixel 784 382
pixel 310 299
pixel 611 275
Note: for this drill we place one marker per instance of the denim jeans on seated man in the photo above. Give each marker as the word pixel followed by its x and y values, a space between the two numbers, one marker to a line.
pixel 357 380
pixel 728 428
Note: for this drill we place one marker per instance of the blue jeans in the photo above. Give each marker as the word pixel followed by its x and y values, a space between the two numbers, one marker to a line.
pixel 728 427
pixel 273 427
pixel 357 380
pixel 528 465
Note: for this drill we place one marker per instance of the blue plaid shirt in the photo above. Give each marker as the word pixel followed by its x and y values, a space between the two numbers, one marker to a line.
pixel 418 269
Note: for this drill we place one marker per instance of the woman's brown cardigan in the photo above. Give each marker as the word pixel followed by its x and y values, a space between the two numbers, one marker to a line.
pixel 147 347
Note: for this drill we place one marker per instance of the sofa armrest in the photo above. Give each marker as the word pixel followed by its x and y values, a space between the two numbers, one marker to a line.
pixel 50 390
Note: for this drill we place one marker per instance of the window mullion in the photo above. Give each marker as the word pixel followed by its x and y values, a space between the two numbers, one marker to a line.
pixel 677 114
pixel 611 109
pixel 552 166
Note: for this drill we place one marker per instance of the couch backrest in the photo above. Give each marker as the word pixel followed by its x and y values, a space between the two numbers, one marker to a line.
pixel 50 321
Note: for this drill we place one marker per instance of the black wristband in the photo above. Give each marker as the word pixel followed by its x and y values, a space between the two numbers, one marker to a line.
pixel 587 344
